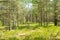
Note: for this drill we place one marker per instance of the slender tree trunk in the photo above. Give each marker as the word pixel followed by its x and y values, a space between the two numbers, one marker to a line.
pixel 55 12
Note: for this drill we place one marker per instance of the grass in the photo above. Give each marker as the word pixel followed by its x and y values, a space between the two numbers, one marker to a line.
pixel 40 33
pixel 31 32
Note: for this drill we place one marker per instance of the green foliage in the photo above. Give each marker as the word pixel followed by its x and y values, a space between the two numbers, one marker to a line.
pixel 13 38
pixel 41 33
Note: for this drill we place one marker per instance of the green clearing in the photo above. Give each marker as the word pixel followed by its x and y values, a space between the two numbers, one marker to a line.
pixel 29 19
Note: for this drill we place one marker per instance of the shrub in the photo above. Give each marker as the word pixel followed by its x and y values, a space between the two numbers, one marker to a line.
pixel 13 38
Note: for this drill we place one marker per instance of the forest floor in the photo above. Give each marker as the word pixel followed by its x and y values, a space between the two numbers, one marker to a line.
pixel 41 33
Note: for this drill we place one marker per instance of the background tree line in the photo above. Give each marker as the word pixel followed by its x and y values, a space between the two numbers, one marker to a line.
pixel 16 12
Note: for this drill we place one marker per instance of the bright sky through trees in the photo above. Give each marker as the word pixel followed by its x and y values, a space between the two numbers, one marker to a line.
pixel 51 0
pixel 28 6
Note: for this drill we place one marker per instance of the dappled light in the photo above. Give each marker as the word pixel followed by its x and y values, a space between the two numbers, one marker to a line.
pixel 29 19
